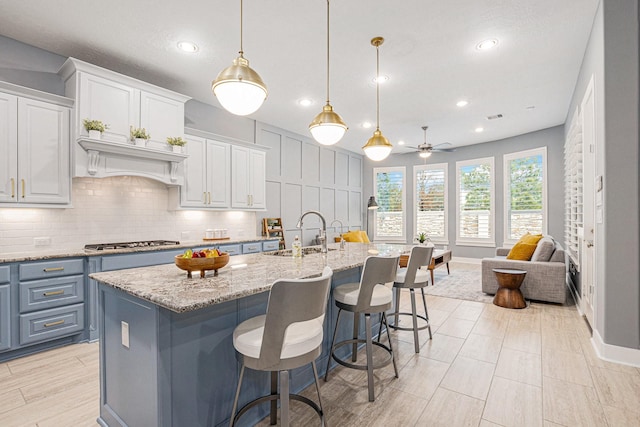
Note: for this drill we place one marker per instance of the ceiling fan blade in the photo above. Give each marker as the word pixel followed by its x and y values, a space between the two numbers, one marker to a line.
pixel 444 150
pixel 442 144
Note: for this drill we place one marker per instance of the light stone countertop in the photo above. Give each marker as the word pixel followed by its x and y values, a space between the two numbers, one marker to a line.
pixel 167 286
pixel 73 252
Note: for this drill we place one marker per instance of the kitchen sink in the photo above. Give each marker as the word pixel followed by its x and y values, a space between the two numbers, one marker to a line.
pixel 305 251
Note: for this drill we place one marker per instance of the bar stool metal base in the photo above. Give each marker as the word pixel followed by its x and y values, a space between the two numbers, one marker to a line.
pixel 415 316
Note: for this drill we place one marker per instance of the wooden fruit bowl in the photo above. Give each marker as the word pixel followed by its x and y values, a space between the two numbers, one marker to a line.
pixel 202 264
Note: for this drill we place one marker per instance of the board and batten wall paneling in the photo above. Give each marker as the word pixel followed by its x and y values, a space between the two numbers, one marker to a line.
pixel 327 166
pixel 292 159
pixel 310 163
pixel 302 175
pixel 274 155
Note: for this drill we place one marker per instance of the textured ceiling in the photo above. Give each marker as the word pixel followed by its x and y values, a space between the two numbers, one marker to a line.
pixel 429 56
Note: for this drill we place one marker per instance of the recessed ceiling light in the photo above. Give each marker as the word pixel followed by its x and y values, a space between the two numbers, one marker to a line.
pixel 366 125
pixel 479 129
pixel 305 102
pixel 188 47
pixel 487 44
pixel 380 79
pixel 400 142
pixel 462 103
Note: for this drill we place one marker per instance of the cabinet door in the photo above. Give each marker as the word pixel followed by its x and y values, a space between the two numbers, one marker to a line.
pixel 43 152
pixel 193 192
pixel 257 174
pixel 8 147
pixel 240 177
pixel 161 117
pixel 5 317
pixel 115 104
pixel 218 174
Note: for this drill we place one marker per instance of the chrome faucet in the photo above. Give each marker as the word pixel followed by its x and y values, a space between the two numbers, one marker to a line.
pixel 323 232
pixel 341 238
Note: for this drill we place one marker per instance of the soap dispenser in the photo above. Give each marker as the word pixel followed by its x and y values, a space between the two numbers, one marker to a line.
pixel 296 248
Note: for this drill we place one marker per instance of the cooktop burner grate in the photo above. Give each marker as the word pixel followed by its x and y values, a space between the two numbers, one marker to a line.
pixel 126 245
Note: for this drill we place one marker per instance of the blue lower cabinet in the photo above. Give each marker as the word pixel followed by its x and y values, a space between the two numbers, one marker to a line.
pixel 271 245
pixel 251 248
pixel 50 293
pixel 5 317
pixel 49 324
pixel 231 249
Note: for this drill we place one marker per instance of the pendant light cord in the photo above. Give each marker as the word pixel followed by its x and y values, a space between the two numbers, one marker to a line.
pixel 377 86
pixel 327 52
pixel 241 49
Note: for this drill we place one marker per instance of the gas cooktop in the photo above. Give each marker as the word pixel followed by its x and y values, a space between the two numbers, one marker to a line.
pixel 126 245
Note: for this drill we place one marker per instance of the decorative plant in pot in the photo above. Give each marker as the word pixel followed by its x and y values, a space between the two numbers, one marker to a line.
pixel 176 143
pixel 95 128
pixel 422 238
pixel 139 136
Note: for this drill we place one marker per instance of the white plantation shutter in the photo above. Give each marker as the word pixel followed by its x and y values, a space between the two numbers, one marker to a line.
pixel 431 201
pixel 389 184
pixel 475 195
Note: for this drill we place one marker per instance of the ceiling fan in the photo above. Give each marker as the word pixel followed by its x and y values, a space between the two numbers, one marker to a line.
pixel 424 150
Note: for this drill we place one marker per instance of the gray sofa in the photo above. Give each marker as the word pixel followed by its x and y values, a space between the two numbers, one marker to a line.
pixel 546 272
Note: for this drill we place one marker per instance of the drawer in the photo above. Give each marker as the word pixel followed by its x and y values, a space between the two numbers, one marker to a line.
pixel 49 293
pixel 271 246
pixel 231 249
pixel 42 270
pixel 45 325
pixel 251 248
pixel 4 274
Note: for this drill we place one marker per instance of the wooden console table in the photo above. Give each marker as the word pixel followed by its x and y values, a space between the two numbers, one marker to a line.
pixel 439 259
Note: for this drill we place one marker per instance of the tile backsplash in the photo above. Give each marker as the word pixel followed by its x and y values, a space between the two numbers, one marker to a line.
pixel 111 210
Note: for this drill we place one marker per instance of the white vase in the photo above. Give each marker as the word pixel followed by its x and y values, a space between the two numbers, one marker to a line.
pixel 95 134
pixel 176 149
pixel 140 142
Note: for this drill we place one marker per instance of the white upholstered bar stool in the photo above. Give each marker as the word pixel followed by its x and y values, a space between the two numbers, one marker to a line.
pixel 367 297
pixel 288 336
pixel 412 277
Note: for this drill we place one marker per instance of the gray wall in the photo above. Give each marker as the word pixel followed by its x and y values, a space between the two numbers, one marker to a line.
pixel 303 175
pixel 552 138
pixel 198 115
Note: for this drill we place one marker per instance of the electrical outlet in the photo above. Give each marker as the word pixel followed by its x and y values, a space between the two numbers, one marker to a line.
pixel 185 236
pixel 42 241
pixel 125 334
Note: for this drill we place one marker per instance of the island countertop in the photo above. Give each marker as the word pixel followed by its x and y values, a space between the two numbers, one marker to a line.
pixel 167 286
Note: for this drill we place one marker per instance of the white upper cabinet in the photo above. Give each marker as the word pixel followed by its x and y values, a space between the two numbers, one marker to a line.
pixel 248 168
pixel 207 174
pixel 34 138
pixel 161 117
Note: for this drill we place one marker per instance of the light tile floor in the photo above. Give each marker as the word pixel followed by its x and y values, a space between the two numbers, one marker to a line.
pixel 486 366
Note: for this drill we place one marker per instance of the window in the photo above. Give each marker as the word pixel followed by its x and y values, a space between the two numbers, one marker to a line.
pixel 475 195
pixel 430 191
pixel 525 193
pixel 389 185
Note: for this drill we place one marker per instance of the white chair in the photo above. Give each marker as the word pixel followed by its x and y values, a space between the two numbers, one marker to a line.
pixel 411 278
pixel 368 296
pixel 288 336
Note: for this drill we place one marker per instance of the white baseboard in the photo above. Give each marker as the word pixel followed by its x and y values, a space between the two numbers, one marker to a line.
pixel 476 261
pixel 614 353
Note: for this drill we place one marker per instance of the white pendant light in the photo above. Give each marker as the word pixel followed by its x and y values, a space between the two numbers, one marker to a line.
pixel 238 87
pixel 327 127
pixel 377 147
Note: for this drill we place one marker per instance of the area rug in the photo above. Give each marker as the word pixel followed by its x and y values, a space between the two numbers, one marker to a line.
pixel 464 282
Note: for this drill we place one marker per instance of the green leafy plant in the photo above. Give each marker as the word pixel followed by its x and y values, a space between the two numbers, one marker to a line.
pixel 94 125
pixel 176 141
pixel 139 133
pixel 422 237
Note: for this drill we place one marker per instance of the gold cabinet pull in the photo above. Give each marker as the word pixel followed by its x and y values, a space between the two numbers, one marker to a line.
pixel 22 188
pixel 204 197
pixel 13 188
pixel 50 269
pixel 209 194
pixel 57 322
pixel 52 293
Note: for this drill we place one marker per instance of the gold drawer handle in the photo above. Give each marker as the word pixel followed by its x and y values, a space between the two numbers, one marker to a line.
pixel 57 322
pixel 23 188
pixel 13 188
pixel 49 270
pixel 51 293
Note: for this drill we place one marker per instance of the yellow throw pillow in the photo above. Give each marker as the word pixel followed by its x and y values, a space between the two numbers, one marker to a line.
pixel 357 236
pixel 531 239
pixel 364 237
pixel 522 251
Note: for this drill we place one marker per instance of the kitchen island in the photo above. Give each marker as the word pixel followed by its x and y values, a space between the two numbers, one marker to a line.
pixel 167 356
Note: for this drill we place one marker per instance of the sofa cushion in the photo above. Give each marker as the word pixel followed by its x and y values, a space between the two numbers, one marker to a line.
pixel 544 250
pixel 358 236
pixel 521 251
